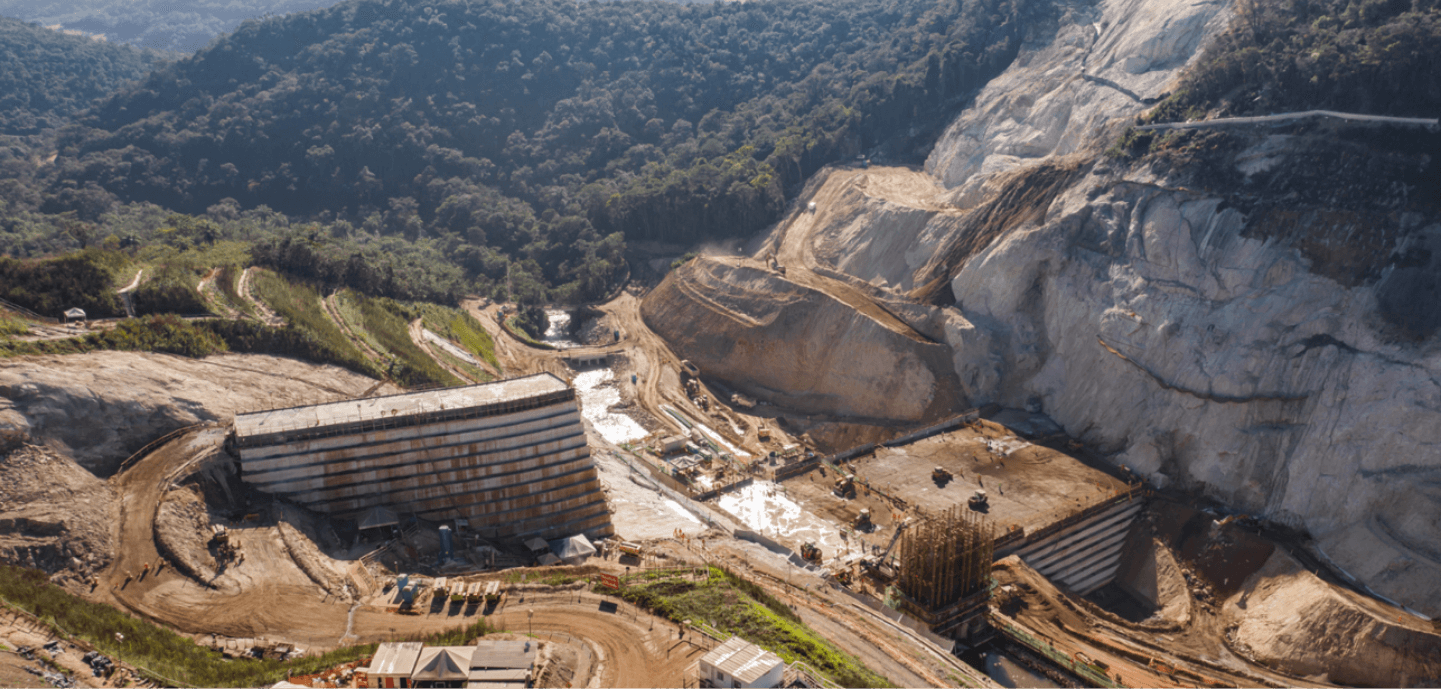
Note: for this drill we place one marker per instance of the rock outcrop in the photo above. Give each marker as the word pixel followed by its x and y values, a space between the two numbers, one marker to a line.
pixel 1102 64
pixel 101 407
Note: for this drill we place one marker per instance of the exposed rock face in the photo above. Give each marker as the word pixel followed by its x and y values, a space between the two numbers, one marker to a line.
pixel 1103 64
pixel 1146 321
pixel 797 346
pixel 101 407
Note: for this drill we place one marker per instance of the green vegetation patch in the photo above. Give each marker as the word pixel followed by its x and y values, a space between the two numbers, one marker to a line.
pixel 734 605
pixel 167 656
pixel 385 319
pixel 300 306
pixel 85 279
pixel 461 327
pixel 167 333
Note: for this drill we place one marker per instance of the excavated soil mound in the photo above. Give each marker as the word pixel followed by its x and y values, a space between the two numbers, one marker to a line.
pixel 797 346
pixel 1288 619
pixel 54 515
pixel 182 530
pixel 101 407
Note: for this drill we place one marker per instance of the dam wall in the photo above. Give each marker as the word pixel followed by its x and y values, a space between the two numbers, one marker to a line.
pixel 511 457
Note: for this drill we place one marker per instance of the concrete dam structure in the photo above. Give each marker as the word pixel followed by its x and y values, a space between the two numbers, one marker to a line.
pixel 510 456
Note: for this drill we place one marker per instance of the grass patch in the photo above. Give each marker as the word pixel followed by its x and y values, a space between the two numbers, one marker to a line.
pixel 228 282
pixel 174 658
pixel 12 324
pixel 459 326
pixel 347 304
pixel 737 606
pixel 384 319
pixel 299 305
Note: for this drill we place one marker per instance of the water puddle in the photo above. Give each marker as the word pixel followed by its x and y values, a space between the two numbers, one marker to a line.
pixel 598 395
pixel 763 507
pixel 557 330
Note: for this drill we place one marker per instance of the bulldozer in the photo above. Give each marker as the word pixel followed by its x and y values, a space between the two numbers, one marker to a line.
pixel 863 520
pixel 810 552
pixel 978 501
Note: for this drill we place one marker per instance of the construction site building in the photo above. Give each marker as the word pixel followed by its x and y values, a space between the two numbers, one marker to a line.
pixel 510 457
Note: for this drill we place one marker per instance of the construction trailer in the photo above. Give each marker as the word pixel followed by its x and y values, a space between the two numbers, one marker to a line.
pixel 510 457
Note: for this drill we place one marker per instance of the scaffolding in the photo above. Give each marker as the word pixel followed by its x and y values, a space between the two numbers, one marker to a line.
pixel 946 559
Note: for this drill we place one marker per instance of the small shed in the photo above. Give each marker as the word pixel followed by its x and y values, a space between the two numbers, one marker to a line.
pixel 739 663
pixel 392 664
pixel 573 550
pixel 502 664
pixel 75 314
pixel 443 666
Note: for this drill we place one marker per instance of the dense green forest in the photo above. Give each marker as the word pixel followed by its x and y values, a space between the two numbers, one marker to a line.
pixel 518 145
pixel 1371 56
pixel 159 24
pixel 47 76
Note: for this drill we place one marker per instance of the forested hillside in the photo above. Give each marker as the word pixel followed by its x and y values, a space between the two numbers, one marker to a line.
pixel 160 24
pixel 523 140
pixel 46 76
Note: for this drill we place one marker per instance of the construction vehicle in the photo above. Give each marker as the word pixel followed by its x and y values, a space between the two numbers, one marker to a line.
pixel 978 501
pixel 845 487
pixel 628 548
pixel 688 370
pixel 863 520
pixel 810 553
pixel 940 476
pixel 763 432
pixel 225 549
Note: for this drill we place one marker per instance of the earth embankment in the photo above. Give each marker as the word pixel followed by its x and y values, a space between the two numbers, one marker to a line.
pixel 798 346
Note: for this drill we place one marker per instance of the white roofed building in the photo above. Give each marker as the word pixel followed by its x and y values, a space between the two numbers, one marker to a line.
pixel 489 664
pixel 740 663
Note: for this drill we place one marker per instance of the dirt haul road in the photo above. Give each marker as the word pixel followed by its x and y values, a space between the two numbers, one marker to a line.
pixel 633 648
pixel 267 595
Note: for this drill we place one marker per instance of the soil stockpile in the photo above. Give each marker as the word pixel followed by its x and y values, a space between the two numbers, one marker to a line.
pixel 101 407
pixel 54 515
pixel 1287 618
pixel 797 346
